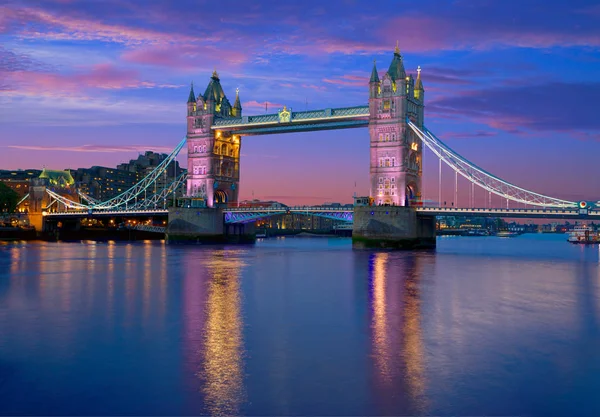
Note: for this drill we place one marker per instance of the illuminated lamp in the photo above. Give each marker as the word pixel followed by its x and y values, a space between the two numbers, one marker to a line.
pixel 582 204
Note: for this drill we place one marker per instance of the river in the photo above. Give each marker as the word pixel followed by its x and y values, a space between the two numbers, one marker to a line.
pixel 300 326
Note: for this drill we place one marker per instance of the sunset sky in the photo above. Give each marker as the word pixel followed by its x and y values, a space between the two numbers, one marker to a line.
pixel 514 86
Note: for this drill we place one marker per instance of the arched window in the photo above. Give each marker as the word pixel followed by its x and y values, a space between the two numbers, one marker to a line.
pixel 393 161
pixel 393 137
pixel 387 162
pixel 387 137
pixel 380 137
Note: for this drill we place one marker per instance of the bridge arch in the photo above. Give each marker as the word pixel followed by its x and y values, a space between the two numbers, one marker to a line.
pixel 220 197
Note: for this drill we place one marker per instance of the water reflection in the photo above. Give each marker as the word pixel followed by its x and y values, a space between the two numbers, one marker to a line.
pixel 396 332
pixel 214 328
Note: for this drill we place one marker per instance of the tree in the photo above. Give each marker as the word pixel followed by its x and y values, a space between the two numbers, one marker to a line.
pixel 8 199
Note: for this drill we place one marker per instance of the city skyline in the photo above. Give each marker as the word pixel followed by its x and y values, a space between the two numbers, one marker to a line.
pixel 513 90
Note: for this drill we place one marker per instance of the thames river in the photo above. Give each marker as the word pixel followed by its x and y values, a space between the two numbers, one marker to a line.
pixel 300 326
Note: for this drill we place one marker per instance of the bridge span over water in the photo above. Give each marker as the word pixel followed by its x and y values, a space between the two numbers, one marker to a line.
pixel 394 115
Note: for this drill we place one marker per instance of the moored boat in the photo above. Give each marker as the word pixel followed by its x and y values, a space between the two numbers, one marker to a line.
pixel 506 233
pixel 584 235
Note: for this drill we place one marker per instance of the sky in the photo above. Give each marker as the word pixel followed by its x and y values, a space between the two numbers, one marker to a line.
pixel 513 86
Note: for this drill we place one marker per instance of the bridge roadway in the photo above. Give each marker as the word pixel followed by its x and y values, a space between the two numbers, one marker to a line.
pixel 249 214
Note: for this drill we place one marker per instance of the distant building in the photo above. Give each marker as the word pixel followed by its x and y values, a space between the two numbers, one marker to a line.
pixel 19 180
pixel 103 183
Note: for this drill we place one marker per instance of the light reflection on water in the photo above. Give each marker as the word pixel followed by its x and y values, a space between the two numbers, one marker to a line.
pixel 300 326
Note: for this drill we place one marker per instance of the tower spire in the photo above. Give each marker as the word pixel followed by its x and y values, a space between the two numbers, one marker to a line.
pixel 397 49
pixel 419 90
pixel 419 83
pixel 237 106
pixel 374 74
pixel 192 96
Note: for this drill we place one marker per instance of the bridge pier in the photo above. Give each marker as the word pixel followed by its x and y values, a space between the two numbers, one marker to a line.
pixel 205 225
pixel 393 227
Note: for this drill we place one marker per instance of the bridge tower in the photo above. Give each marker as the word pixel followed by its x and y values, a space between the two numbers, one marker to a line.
pixel 396 153
pixel 213 158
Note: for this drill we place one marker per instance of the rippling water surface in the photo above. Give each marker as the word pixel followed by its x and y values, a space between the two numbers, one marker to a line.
pixel 300 326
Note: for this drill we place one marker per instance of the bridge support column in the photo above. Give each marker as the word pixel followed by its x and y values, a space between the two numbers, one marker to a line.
pixel 392 227
pixel 205 225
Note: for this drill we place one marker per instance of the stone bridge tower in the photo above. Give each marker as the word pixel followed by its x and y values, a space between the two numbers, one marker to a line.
pixel 213 157
pixel 396 152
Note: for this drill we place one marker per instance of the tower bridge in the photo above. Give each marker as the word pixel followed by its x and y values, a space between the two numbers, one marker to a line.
pixel 394 117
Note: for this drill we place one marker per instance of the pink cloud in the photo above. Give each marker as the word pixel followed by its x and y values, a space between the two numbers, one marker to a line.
pixel 314 87
pixel 93 148
pixel 28 19
pixel 352 80
pixel 184 56
pixel 101 76
pixel 452 33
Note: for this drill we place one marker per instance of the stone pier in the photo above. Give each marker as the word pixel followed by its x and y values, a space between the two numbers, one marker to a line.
pixel 206 225
pixel 392 227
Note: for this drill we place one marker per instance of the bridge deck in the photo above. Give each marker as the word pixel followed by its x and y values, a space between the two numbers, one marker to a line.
pixel 246 214
pixel 283 122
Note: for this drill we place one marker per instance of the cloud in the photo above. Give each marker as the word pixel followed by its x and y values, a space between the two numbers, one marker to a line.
pixel 255 105
pixel 350 80
pixel 36 23
pixel 547 107
pixel 470 135
pixel 73 110
pixel 93 148
pixel 185 56
pixel 11 61
pixel 100 76
pixel 484 28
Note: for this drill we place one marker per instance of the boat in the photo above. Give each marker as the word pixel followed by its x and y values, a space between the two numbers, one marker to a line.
pixel 506 233
pixel 584 235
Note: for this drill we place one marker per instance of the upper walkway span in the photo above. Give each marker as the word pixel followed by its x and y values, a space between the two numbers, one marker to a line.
pixel 286 121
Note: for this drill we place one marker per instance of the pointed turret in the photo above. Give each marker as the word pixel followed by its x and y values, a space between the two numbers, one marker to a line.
pixel 374 74
pixel 192 96
pixel 419 90
pixel 237 105
pixel 396 70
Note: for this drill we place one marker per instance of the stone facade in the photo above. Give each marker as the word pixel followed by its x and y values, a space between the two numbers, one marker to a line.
pixel 396 153
pixel 213 157
pixel 392 227
pixel 206 225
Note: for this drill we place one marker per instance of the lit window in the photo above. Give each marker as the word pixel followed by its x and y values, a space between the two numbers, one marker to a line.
pixel 386 105
pixel 380 137
pixel 414 146
pixel 387 162
pixel 387 137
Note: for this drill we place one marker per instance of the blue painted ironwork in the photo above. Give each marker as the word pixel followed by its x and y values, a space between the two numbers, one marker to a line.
pixel 339 118
pixel 248 215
